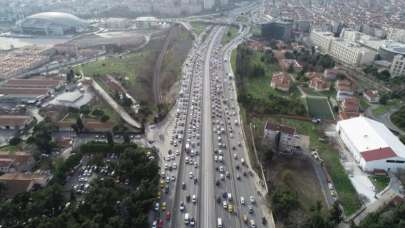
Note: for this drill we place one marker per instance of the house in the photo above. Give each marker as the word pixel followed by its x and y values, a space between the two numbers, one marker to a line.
pixel 286 63
pixel 19 161
pixel 280 138
pixel 281 81
pixel 15 122
pixel 20 182
pixel 311 75
pixel 330 74
pixel 256 45
pixel 350 104
pixel 344 89
pixel 5 165
pixel 372 144
pixel 319 84
pixel 371 96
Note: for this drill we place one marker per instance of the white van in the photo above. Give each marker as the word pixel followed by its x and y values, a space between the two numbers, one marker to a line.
pixel 219 222
pixel 186 218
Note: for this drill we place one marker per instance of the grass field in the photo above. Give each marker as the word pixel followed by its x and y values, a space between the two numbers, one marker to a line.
pixel 381 109
pixel 380 182
pixel 230 35
pixel 198 27
pixel 319 108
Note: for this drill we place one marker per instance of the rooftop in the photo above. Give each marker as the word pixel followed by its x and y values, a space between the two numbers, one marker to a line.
pixel 371 135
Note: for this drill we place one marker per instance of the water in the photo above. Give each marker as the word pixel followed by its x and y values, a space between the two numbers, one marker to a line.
pixel 9 42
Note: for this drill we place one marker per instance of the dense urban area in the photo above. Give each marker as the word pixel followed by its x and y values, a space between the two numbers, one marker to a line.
pixel 202 113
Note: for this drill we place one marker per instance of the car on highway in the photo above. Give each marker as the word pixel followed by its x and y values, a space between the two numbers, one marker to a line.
pixel 250 209
pixel 183 186
pixel 242 200
pixel 192 222
pixel 225 204
pixel 157 206
pixel 230 208
pixel 182 207
pixel 154 224
pixel 163 207
pixel 168 215
pixel 194 199
pixel 252 199
pixel 219 223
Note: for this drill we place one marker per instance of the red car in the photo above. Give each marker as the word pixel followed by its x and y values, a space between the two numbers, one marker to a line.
pixel 168 215
pixel 160 224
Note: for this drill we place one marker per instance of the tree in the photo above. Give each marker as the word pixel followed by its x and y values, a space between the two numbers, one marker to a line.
pixel 290 69
pixel 283 202
pixel 70 75
pixel 79 124
pixel 104 118
pixel 15 141
pixel 383 75
pixel 42 136
pixel 335 213
pixel 85 110
pixel 126 137
pixel 110 138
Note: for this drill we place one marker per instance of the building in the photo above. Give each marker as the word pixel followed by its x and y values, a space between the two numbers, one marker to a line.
pixel 17 161
pixel 280 138
pixel 330 74
pixel 285 64
pixel 278 30
pixel 344 89
pixel 351 53
pixel 372 144
pixel 28 90
pixel 319 84
pixel 389 49
pixel 322 40
pixel 52 23
pixel 345 50
pixel 15 122
pixel 371 96
pixel 281 81
pixel 398 66
pixel 20 182
pixel 350 104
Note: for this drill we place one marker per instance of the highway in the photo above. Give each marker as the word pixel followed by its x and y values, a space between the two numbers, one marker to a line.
pixel 213 162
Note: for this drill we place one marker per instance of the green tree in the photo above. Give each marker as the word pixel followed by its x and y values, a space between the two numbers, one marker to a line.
pixel 283 202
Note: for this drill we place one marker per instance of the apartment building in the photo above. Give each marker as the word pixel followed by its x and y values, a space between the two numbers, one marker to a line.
pixel 398 66
pixel 343 50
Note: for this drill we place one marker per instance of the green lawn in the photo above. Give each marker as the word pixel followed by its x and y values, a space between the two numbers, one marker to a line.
pixel 381 109
pixel 318 107
pixel 242 19
pixel 380 182
pixel 230 35
pixel 364 104
pixel 198 27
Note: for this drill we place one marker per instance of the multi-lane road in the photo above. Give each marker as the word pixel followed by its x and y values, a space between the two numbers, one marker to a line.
pixel 211 183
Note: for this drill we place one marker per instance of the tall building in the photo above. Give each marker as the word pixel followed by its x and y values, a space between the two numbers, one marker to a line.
pixel 398 66
pixel 209 4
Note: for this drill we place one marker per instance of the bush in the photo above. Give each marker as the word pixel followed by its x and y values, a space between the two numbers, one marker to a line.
pixel 14 141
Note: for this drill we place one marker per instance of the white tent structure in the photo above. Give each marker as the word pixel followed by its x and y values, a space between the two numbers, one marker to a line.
pixel 372 144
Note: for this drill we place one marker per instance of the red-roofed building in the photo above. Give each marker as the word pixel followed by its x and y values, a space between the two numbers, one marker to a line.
pixel 378 154
pixel 371 96
pixel 281 81
pixel 286 63
pixel 319 84
pixel 350 104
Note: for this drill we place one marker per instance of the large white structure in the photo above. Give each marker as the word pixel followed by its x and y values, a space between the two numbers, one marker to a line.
pixel 374 146
pixel 343 50
pixel 52 23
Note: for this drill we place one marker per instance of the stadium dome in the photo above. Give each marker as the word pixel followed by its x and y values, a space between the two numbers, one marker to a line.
pixel 52 23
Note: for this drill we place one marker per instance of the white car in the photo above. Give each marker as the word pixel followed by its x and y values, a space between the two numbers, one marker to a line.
pixel 252 200
pixel 242 200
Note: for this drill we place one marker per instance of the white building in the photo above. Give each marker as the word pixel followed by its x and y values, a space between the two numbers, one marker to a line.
pixel 322 40
pixel 398 66
pixel 350 53
pixel 343 50
pixel 373 146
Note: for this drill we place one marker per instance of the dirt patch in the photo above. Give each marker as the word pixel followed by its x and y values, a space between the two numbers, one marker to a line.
pixel 296 174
